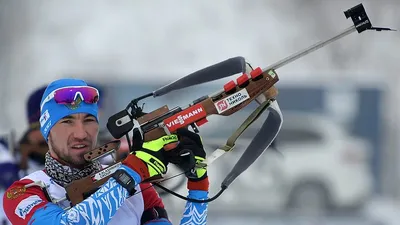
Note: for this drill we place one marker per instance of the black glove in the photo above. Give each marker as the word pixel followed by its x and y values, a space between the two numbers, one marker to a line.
pixel 189 152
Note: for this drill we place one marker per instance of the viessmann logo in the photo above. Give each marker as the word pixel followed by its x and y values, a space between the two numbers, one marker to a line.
pixel 186 117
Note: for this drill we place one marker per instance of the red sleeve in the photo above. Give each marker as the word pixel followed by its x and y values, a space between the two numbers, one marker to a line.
pixel 150 196
pixel 19 203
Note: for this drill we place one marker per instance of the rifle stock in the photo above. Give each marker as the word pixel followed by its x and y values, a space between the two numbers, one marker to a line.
pixel 211 105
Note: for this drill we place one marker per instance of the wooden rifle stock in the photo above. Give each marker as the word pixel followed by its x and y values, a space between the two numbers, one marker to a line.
pixel 254 88
pixel 80 189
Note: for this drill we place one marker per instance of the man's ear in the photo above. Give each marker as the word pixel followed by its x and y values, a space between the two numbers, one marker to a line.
pixel 49 141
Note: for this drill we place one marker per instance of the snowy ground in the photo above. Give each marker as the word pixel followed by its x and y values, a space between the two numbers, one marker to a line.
pixel 383 210
pixel 379 211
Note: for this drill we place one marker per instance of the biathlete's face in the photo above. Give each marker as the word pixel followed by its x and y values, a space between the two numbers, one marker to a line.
pixel 72 137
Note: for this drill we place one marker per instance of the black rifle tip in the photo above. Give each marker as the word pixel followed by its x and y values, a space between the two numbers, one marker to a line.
pixel 382 29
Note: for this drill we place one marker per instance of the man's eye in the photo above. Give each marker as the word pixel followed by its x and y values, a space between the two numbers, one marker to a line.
pixel 90 119
pixel 67 121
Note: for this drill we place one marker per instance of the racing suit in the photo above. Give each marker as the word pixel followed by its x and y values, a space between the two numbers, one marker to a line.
pixel 111 204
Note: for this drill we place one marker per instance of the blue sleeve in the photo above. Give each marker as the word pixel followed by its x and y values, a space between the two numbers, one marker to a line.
pixel 195 213
pixel 97 209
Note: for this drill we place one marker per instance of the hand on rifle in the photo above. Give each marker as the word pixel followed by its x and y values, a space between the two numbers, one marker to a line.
pixel 187 155
pixel 148 158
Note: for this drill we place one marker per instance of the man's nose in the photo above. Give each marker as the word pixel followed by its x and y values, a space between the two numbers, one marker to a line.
pixel 80 131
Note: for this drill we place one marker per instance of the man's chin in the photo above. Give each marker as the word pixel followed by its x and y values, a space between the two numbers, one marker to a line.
pixel 79 163
pixel 79 160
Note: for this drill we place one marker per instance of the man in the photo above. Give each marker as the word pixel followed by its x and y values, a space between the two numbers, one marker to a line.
pixel 32 146
pixel 69 124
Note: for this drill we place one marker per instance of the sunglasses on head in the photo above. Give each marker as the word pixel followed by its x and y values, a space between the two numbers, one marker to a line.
pixel 68 95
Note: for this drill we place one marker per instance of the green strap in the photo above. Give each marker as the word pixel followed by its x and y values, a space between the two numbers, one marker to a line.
pixel 249 120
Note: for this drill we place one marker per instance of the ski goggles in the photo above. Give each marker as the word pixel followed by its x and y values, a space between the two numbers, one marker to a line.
pixel 68 95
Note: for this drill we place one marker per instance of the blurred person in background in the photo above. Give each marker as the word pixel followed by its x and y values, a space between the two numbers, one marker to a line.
pixel 9 173
pixel 69 124
pixel 32 147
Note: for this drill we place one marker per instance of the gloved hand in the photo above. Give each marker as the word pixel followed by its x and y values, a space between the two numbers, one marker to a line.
pixel 149 160
pixel 192 143
pixel 189 152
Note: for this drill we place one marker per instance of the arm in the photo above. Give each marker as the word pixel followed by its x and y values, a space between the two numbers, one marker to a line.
pixel 30 206
pixel 196 213
pixel 154 210
pixel 198 184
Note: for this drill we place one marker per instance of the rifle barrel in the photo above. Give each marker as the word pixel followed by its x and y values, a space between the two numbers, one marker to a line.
pixel 308 50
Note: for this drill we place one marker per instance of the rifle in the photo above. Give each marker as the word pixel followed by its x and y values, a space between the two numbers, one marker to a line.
pixel 252 85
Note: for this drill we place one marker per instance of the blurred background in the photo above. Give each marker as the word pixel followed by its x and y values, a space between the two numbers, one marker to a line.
pixel 340 137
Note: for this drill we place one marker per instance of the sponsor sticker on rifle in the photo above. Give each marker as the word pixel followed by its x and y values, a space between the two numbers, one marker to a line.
pixel 272 73
pixel 106 172
pixel 185 117
pixel 232 100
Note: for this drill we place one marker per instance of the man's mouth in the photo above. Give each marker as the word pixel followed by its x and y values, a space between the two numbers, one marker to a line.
pixel 79 146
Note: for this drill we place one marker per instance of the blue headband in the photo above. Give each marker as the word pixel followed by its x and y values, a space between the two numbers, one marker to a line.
pixel 52 112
